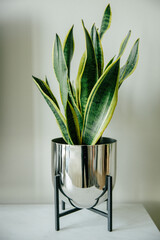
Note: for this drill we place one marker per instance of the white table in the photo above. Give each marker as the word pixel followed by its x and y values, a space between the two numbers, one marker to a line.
pixel 36 222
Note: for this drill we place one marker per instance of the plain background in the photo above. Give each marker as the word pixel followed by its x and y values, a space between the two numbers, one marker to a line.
pixel 27 32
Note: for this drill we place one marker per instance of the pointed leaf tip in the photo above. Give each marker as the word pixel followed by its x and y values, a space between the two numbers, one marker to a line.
pixel 82 23
pixel 60 69
pixel 89 74
pixel 106 20
pixel 98 49
pixel 131 63
pixel 68 49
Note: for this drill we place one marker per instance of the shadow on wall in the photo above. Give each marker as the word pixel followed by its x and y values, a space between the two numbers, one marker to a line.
pixel 16 121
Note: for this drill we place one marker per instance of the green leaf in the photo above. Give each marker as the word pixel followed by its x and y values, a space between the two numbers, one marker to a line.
pixel 109 63
pixel 106 21
pixel 73 90
pixel 43 87
pixel 89 75
pixel 60 69
pixel 74 105
pixel 79 75
pixel 124 44
pixel 72 124
pixel 98 49
pixel 68 49
pixel 131 63
pixel 101 105
pixel 46 81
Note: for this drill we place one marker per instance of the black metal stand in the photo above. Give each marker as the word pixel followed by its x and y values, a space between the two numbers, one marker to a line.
pixel 58 215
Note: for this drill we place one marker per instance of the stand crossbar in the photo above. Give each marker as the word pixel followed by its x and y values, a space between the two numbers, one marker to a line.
pixel 98 212
pixel 58 215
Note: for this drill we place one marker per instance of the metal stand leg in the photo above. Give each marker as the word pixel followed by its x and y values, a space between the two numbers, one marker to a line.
pixel 109 203
pixel 108 186
pixel 56 202
pixel 63 205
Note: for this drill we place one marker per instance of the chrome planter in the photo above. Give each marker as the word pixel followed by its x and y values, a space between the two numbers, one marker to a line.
pixel 83 170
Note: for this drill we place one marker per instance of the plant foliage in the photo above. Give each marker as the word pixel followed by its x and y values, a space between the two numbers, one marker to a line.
pixel 90 103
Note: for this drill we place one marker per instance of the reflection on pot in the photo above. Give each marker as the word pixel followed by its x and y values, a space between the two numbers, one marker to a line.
pixel 83 169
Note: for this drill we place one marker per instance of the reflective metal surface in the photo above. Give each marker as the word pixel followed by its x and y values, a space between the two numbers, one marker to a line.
pixel 83 169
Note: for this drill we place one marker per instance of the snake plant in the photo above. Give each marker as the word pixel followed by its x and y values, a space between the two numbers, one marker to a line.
pixel 89 103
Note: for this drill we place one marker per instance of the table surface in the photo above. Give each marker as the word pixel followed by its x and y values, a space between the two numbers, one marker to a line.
pixel 36 222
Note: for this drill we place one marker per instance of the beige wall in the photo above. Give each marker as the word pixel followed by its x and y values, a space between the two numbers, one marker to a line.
pixel 27 31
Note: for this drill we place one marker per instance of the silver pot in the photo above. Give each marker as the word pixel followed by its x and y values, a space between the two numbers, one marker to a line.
pixel 83 170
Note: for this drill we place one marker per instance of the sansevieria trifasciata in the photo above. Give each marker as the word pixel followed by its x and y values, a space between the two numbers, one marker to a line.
pixel 90 101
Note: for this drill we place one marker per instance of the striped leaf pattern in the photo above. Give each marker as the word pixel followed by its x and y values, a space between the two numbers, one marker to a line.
pixel 60 68
pixel 52 102
pixel 68 49
pixel 124 44
pixel 131 63
pixel 89 106
pixel 106 21
pixel 90 72
pixel 75 107
pixel 72 124
pixel 79 75
pixel 101 104
pixel 98 49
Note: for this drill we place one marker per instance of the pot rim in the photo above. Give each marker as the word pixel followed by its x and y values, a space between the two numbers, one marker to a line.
pixel 102 141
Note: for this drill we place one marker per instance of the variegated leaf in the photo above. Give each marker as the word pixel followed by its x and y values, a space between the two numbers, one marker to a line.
pixel 106 21
pixel 68 49
pixel 124 44
pixel 72 124
pixel 60 69
pixel 74 105
pixel 98 49
pixel 51 101
pixel 89 75
pixel 131 63
pixel 100 105
pixel 79 75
